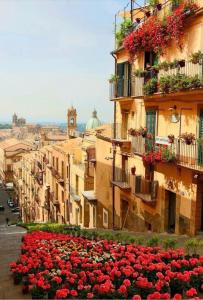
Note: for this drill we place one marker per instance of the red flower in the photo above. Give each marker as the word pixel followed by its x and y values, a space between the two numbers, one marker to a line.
pixel 177 297
pixel 191 292
pixel 136 297
pixel 122 289
pixel 74 293
pixel 62 293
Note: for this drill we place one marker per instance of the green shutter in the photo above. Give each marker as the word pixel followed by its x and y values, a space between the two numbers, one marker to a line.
pixel 151 127
pixel 151 121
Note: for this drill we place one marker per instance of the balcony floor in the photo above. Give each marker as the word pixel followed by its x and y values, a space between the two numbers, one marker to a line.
pixel 122 185
pixel 186 95
pixel 146 198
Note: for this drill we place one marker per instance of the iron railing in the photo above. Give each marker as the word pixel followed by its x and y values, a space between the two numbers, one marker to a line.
pixel 188 155
pixel 121 175
pixel 146 189
pixel 187 68
pixel 131 87
pixel 119 132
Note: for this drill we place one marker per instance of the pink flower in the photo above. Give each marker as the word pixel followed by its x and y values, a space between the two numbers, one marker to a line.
pixel 136 297
pixel 90 295
pixel 177 297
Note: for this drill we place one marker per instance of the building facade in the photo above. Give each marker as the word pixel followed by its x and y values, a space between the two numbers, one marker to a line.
pixel 158 100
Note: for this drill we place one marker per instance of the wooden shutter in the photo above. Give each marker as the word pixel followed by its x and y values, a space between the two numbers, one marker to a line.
pixel 120 82
pixel 138 181
pixel 154 189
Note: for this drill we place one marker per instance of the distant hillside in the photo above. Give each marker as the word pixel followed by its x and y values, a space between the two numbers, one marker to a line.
pixel 5 126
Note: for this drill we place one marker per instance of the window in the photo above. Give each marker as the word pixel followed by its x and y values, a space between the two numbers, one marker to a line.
pixel 105 218
pixel 53 161
pixel 9 168
pixel 77 184
pixel 62 169
pixel 94 211
pixel 57 163
pixel 123 84
pixel 56 191
pixel 67 170
pixel 62 196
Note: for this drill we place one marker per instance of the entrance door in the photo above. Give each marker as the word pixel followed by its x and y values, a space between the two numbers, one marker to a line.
pixel 124 213
pixel 171 211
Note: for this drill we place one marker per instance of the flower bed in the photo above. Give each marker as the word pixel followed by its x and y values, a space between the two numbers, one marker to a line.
pixel 62 266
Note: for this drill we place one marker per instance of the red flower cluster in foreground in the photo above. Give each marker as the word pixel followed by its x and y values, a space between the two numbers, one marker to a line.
pixel 64 267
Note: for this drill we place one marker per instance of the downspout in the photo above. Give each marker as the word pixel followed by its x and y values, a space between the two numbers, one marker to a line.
pixel 114 154
pixel 69 188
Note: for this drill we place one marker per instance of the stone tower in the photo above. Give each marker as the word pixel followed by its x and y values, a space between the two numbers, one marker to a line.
pixel 14 120
pixel 72 121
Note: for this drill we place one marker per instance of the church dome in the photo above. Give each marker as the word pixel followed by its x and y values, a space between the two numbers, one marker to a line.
pixel 93 121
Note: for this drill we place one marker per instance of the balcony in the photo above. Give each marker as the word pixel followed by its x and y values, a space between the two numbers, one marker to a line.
pixel 178 152
pixel 122 179
pixel 146 190
pixel 120 137
pixel 172 80
pixel 39 178
pixel 125 89
pixel 58 177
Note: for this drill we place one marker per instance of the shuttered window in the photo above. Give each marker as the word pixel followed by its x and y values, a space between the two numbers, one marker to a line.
pixel 151 121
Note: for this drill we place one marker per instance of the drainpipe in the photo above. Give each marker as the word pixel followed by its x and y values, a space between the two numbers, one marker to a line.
pixel 69 188
pixel 114 154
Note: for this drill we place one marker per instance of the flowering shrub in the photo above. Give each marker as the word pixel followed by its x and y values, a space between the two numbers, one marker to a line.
pixel 62 267
pixel 154 35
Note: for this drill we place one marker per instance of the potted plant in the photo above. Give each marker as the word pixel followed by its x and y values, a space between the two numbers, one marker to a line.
pixel 187 138
pixel 148 14
pixel 164 66
pixel 182 63
pixel 171 138
pixel 133 170
pixel 150 87
pixel 143 131
pixel 113 78
pixel 139 73
pixel 132 132
pixel 196 58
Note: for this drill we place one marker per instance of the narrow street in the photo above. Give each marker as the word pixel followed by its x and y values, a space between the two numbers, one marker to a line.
pixel 10 240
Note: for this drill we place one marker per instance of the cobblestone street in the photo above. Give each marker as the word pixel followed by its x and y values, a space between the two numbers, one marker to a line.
pixel 10 240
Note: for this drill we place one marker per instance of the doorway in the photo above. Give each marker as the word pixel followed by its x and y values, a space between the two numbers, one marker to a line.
pixel 124 213
pixel 171 211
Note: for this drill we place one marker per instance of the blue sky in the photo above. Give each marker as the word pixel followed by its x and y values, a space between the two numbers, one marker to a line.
pixel 53 54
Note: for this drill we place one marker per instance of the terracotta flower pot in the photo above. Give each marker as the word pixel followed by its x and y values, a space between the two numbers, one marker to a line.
pixel 133 170
pixel 159 6
pixel 148 14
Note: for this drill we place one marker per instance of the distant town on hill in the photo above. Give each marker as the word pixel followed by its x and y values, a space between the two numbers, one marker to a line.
pixel 80 126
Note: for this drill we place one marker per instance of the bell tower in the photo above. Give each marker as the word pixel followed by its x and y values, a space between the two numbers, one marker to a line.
pixel 72 121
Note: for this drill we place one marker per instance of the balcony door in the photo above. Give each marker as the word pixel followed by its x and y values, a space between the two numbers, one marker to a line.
pixel 124 168
pixel 123 83
pixel 151 127
pixel 124 126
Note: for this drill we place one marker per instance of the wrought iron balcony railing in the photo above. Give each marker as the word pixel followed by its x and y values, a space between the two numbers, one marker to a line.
pixel 145 189
pixel 181 153
pixel 121 179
